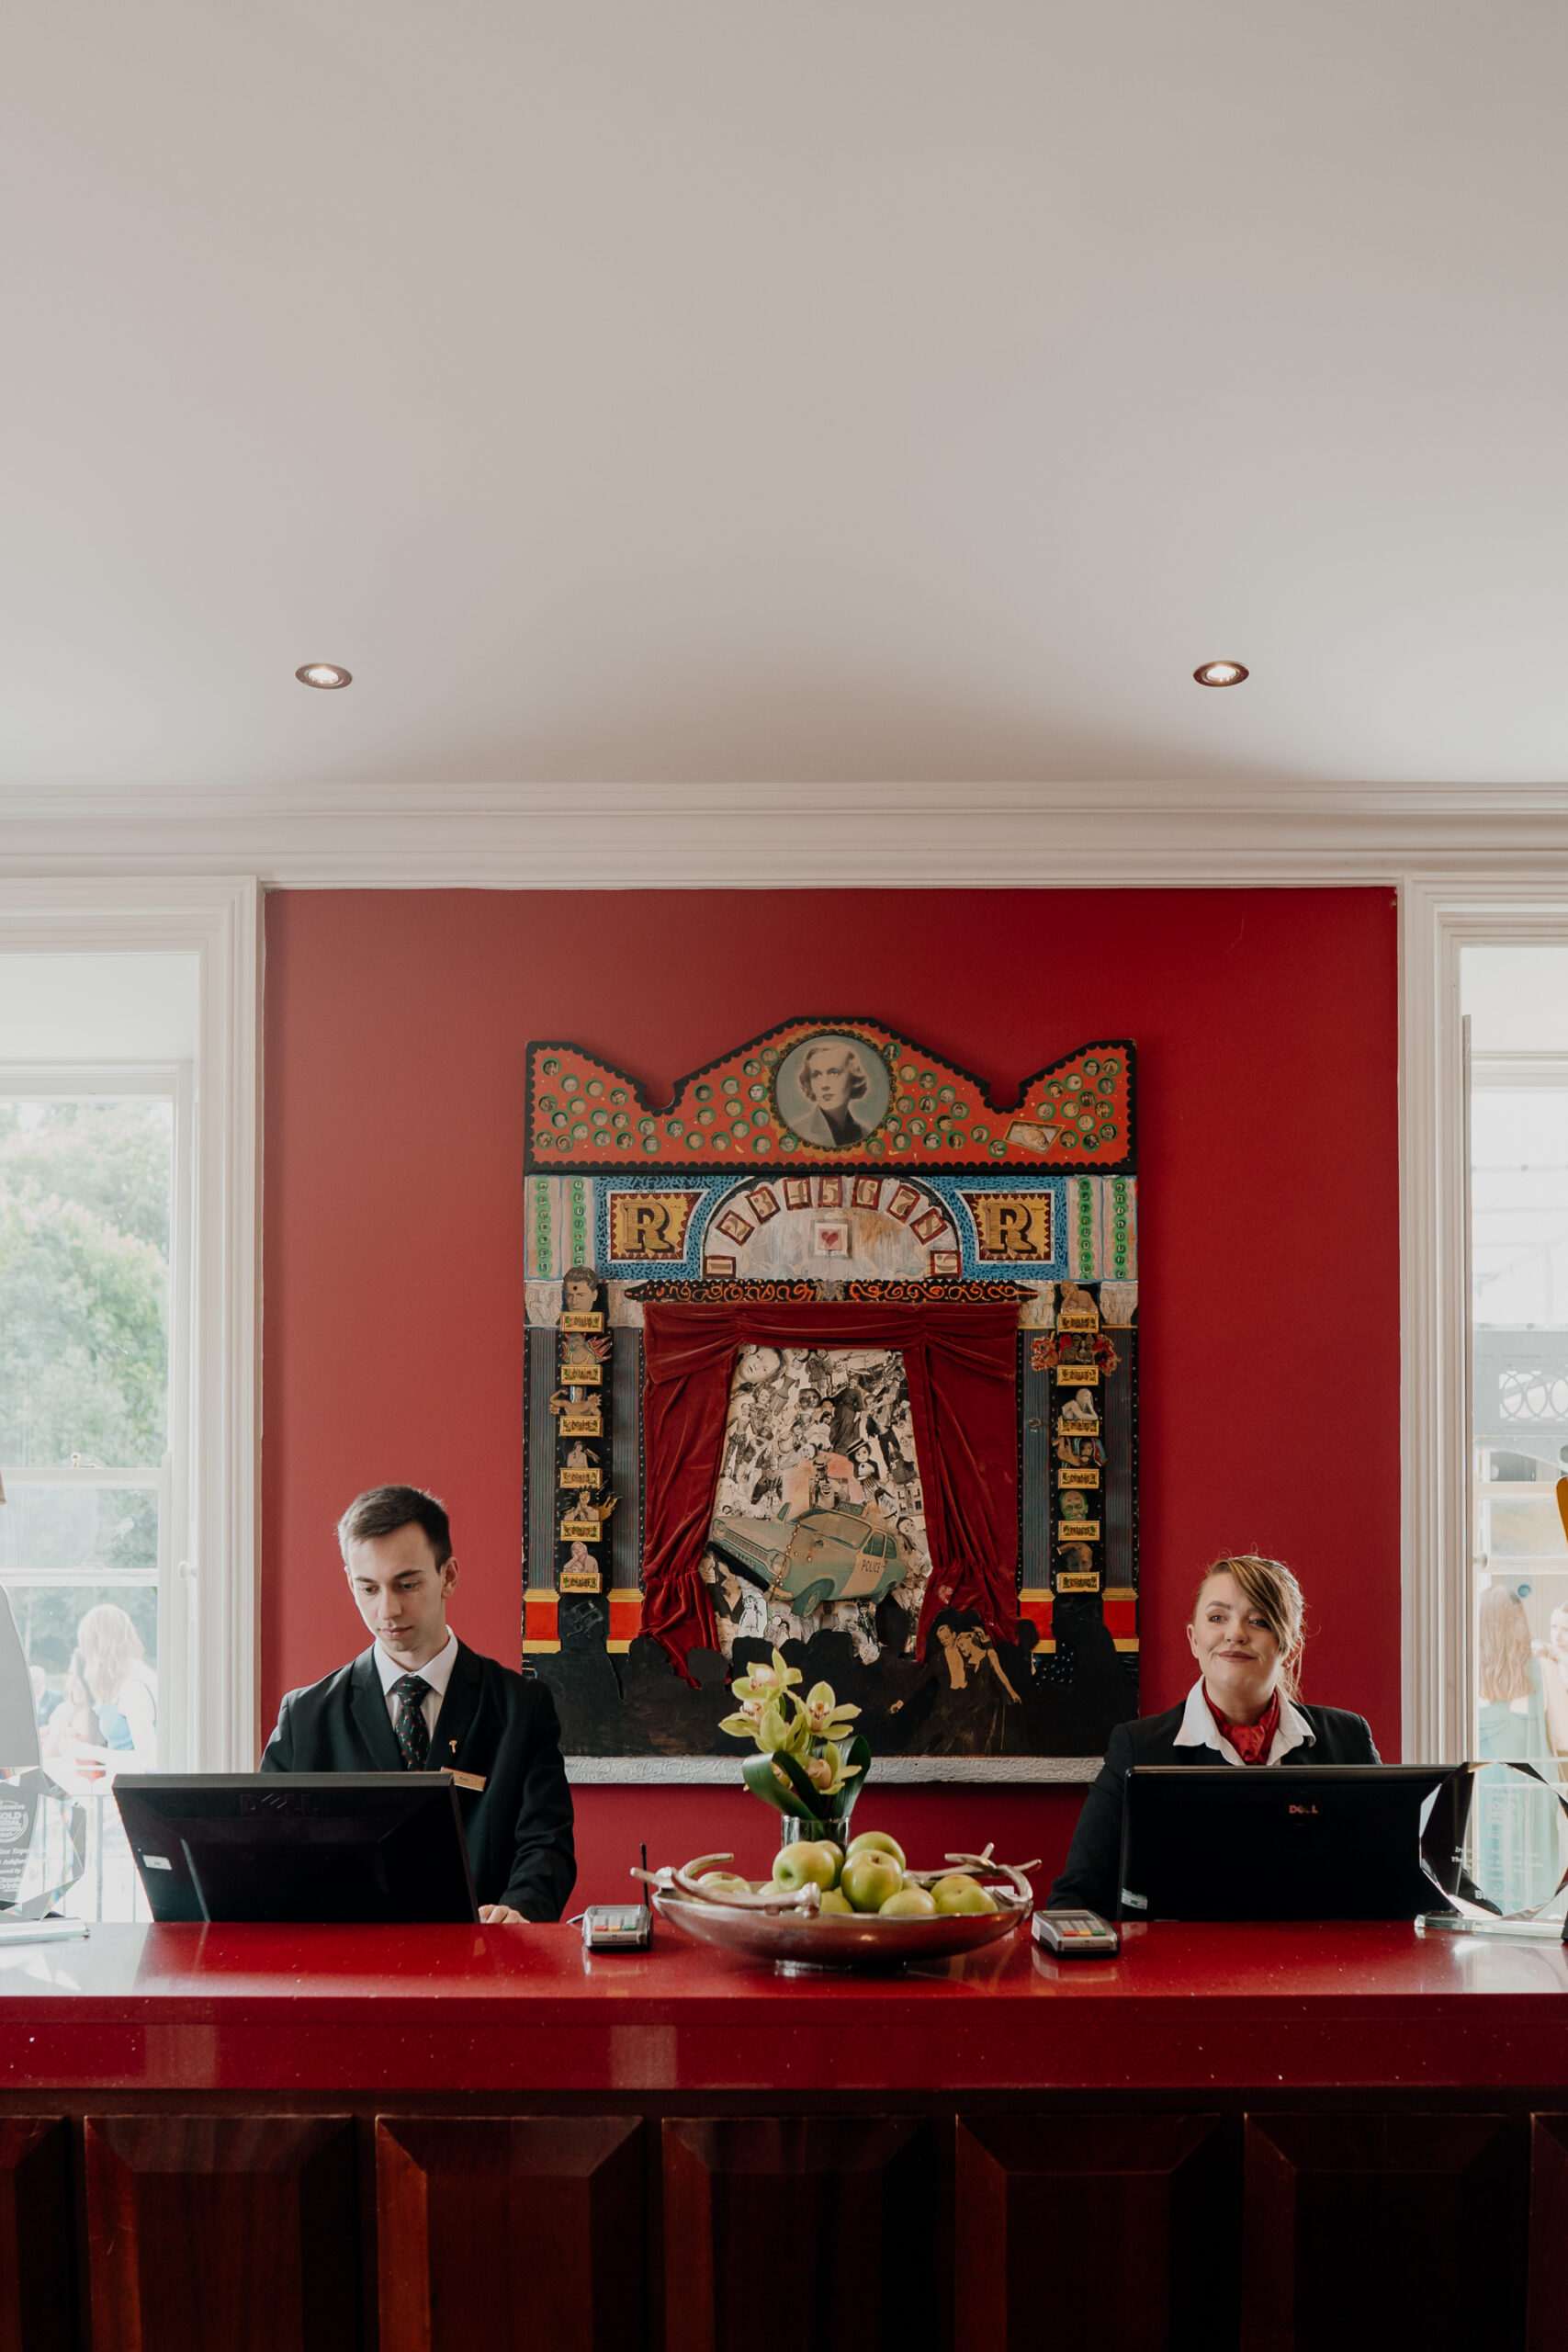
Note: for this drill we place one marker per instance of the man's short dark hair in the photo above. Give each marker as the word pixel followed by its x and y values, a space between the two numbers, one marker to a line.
pixel 381 1511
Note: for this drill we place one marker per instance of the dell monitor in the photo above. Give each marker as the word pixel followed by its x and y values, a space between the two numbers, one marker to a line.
pixel 1326 1841
pixel 374 1847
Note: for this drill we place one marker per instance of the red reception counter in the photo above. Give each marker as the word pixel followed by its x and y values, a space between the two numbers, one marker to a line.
pixel 335 2137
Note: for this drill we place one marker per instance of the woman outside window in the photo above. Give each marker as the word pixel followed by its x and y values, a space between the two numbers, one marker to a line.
pixel 1516 1821
pixel 124 1688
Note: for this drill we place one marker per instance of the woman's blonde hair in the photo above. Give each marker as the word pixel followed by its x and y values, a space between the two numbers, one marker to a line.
pixel 1503 1642
pixel 1269 1587
pixel 110 1645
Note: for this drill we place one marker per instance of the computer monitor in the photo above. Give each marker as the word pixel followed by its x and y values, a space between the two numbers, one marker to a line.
pixel 1327 1841
pixel 373 1846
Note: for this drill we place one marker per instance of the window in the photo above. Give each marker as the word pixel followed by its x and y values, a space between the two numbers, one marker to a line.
pixel 128 1302
pixel 87 1218
pixel 1516 1003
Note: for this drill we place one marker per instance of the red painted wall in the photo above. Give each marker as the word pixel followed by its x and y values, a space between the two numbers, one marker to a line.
pixel 1266 1024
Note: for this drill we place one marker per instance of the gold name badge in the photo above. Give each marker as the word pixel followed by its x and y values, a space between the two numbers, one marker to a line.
pixel 581 1530
pixel 1078 1376
pixel 580 1580
pixel 1080 1321
pixel 580 1477
pixel 580 1322
pixel 1077 1581
pixel 1077 1531
pixel 1071 1477
pixel 473 1781
pixel 584 1423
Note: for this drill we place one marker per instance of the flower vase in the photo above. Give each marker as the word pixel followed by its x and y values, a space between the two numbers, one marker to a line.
pixel 792 1826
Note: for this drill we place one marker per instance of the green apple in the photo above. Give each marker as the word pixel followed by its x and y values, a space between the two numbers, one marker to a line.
pixel 909 1903
pixel 836 1902
pixel 958 1892
pixel 877 1841
pixel 870 1877
pixel 808 1863
pixel 724 1883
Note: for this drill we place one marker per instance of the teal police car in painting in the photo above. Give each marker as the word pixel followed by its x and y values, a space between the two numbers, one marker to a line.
pixel 821 1557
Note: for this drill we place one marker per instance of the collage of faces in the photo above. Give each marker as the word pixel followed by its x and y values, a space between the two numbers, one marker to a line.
pixel 821 1437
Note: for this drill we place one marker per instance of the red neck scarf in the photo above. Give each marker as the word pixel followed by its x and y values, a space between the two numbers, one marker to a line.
pixel 1251 1741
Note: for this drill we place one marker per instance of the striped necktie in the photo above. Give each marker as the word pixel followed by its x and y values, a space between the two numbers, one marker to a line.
pixel 411 1691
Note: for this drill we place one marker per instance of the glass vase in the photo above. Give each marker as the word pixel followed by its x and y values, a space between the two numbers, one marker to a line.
pixel 793 1828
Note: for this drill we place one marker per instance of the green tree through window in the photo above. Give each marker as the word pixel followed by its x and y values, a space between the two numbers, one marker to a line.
pixel 84 1191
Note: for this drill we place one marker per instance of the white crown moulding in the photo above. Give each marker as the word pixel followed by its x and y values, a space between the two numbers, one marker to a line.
pixel 621 836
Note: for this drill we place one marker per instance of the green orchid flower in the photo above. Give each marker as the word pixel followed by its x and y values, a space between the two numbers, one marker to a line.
pixel 777 1731
pixel 828 1772
pixel 765 1682
pixel 826 1716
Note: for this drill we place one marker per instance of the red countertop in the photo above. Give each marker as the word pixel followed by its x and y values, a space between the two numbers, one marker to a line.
pixel 474 2009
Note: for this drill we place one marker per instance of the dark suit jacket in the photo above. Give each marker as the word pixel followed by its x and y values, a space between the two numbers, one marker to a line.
pixel 1092 1881
pixel 497 1725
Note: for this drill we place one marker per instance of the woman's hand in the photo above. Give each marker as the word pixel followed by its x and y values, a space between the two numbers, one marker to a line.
pixel 500 1915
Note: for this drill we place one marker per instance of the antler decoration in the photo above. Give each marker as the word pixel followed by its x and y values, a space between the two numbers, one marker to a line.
pixel 809 1899
pixel 773 1899
pixel 1020 1893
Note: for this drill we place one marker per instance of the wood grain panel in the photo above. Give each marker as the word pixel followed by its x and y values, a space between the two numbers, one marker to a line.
pixel 1094 2225
pixel 38 2287
pixel 780 2232
pixel 1380 2230
pixel 1549 2232
pixel 511 2231
pixel 212 2233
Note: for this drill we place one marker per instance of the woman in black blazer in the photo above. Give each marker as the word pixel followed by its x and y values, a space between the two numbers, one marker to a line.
pixel 1243 1708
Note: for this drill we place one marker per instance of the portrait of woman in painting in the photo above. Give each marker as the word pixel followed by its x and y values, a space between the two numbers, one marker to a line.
pixel 833 1092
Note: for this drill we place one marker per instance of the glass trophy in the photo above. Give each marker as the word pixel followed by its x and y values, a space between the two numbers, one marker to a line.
pixel 43 1843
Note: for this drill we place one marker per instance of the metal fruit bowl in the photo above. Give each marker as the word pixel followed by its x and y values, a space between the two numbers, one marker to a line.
pixel 829 1940
pixel 776 1926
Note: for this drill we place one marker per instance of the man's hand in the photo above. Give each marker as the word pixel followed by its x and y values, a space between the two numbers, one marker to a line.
pixel 500 1915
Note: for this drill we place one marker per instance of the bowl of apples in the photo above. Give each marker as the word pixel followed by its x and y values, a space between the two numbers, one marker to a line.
pixel 859 1905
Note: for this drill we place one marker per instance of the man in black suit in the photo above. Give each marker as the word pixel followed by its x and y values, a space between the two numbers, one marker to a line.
pixel 418 1699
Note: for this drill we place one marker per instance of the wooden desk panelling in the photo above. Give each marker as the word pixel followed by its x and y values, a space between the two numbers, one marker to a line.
pixel 230 2235
pixel 781 2232
pixel 213 2233
pixel 1378 2230
pixel 37 2272
pixel 1107 2223
pixel 1549 2232
pixel 519 2234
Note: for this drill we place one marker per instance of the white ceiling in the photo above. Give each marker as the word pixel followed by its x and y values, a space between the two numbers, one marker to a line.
pixel 821 390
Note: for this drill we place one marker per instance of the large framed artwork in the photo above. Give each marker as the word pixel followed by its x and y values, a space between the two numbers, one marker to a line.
pixel 830 1354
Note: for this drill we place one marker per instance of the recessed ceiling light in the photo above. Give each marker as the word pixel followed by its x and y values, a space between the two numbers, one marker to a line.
pixel 1218 673
pixel 327 673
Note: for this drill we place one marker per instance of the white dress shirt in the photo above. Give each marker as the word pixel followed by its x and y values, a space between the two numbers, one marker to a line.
pixel 1199 1729
pixel 436 1672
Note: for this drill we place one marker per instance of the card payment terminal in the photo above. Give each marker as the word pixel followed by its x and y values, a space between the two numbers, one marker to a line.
pixel 1075 1935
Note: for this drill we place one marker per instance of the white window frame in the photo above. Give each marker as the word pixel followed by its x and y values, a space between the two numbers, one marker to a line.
pixel 213 1516
pixel 1439 917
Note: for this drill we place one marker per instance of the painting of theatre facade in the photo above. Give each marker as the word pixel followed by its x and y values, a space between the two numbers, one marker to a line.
pixel 829 1354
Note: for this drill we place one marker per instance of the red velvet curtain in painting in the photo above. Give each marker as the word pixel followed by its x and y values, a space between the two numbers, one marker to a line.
pixel 960 1363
